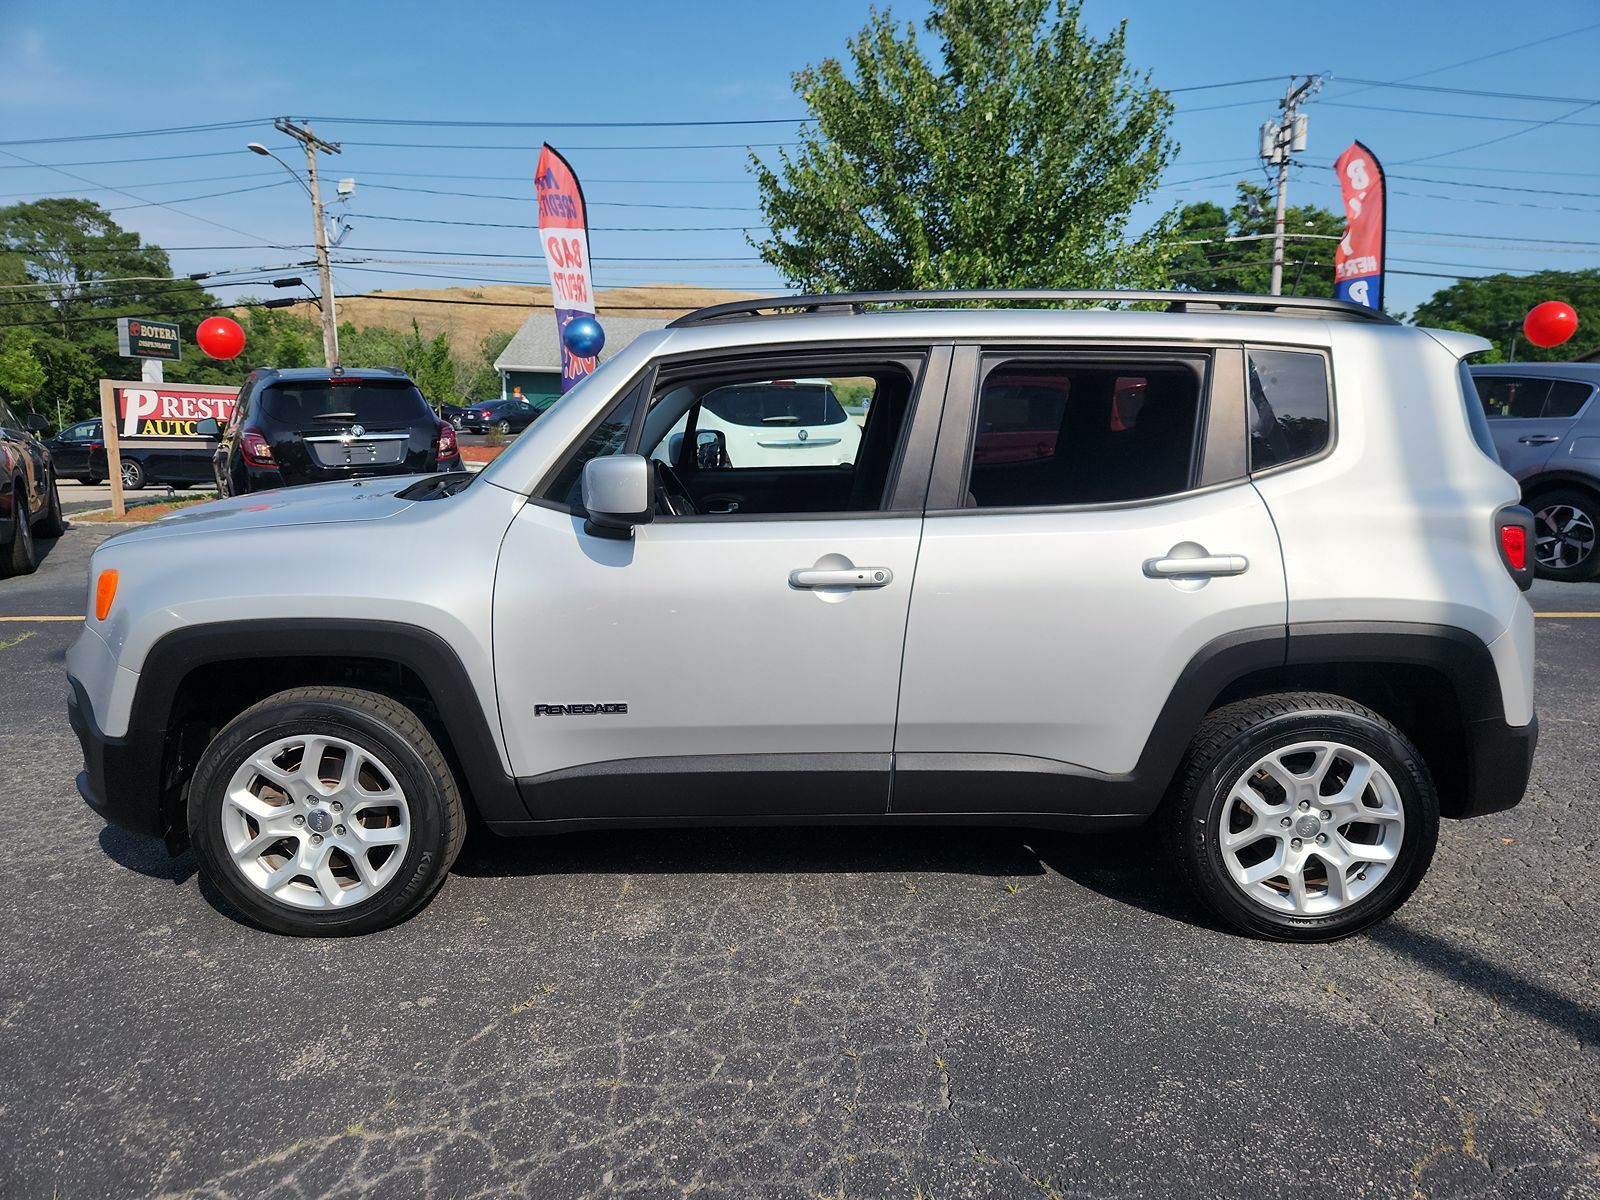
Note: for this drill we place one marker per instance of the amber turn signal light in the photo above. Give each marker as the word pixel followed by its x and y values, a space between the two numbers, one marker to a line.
pixel 105 592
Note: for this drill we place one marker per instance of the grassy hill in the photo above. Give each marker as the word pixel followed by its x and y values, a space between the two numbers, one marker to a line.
pixel 462 312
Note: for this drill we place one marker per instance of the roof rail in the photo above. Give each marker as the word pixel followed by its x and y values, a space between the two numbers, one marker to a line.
pixel 855 302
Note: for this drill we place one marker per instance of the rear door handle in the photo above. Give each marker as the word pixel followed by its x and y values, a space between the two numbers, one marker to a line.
pixel 1208 565
pixel 850 577
pixel 1539 439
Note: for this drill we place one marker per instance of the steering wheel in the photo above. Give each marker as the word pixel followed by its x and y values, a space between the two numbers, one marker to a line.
pixel 672 497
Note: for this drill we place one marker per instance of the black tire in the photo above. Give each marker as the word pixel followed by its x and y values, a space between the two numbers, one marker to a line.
pixel 1229 741
pixel 19 556
pixel 1587 506
pixel 381 727
pixel 503 428
pixel 132 474
pixel 52 524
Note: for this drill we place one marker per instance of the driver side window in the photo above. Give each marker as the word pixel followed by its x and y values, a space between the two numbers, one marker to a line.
pixel 778 437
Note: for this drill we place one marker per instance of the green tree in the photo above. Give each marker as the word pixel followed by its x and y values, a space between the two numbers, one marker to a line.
pixel 22 375
pixel 1493 306
pixel 86 271
pixel 1231 251
pixel 1012 161
pixel 479 380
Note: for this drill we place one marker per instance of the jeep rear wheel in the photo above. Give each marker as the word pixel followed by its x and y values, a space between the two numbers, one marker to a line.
pixel 325 811
pixel 1302 817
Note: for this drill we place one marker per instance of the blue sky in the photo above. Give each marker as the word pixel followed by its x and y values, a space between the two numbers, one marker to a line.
pixel 72 69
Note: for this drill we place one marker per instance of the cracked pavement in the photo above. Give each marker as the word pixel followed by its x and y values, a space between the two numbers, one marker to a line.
pixel 793 1013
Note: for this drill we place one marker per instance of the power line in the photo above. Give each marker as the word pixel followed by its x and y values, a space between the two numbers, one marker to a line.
pixel 1505 137
pixel 137 133
pixel 1467 62
pixel 529 199
pixel 528 149
pixel 1428 87
pixel 134 196
pixel 1428 112
pixel 593 228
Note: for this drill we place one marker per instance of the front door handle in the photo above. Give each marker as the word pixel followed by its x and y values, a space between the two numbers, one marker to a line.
pixel 1208 565
pixel 847 577
pixel 1539 439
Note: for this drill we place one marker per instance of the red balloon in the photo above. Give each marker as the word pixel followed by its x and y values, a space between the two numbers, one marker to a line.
pixel 220 337
pixel 1550 323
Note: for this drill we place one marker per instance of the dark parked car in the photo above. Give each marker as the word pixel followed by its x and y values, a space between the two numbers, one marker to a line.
pixel 452 413
pixel 504 416
pixel 29 504
pixel 313 425
pixel 80 453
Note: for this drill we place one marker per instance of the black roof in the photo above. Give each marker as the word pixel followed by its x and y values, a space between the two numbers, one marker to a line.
pixel 294 373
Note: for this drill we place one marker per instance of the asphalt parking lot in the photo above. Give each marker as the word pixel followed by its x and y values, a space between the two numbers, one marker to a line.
pixel 873 1013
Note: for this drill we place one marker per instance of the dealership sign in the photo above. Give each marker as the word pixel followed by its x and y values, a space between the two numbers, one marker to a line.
pixel 138 338
pixel 1358 262
pixel 146 410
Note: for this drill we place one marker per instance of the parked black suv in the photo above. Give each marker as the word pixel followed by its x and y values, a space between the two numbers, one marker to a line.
pixel 314 425
pixel 29 504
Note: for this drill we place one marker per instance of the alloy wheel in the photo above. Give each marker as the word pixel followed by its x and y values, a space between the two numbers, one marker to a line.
pixel 1564 536
pixel 316 821
pixel 1311 828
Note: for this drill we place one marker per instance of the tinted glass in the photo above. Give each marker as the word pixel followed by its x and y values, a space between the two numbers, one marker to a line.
pixel 373 402
pixel 776 403
pixel 1508 397
pixel 8 418
pixel 1566 398
pixel 1083 433
pixel 1289 416
pixel 609 437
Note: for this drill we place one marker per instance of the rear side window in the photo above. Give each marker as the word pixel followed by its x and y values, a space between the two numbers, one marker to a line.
pixel 374 402
pixel 1527 398
pixel 778 402
pixel 1061 433
pixel 1289 410
pixel 1566 398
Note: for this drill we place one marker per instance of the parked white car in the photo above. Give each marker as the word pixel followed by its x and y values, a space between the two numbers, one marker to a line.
pixel 781 423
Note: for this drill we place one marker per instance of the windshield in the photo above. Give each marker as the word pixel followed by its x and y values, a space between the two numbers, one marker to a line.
pixel 778 403
pixel 367 401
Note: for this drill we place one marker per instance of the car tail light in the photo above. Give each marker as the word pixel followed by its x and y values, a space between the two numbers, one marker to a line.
pixel 93 446
pixel 105 594
pixel 447 441
pixel 1514 545
pixel 255 449
pixel 1513 531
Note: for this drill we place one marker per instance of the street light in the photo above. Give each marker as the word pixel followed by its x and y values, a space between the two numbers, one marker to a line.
pixel 330 326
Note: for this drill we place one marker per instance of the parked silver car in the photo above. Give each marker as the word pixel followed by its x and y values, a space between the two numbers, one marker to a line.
pixel 1247 566
pixel 1546 426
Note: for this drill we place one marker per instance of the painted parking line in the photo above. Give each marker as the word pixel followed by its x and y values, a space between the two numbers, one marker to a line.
pixel 26 620
pixel 1567 616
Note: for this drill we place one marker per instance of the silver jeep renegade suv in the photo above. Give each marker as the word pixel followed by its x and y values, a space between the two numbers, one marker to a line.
pixel 1244 566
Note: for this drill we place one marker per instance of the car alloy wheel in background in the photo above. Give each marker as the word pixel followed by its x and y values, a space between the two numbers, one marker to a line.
pixel 1564 545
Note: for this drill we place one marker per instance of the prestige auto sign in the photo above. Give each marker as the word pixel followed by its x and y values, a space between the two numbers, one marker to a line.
pixel 148 410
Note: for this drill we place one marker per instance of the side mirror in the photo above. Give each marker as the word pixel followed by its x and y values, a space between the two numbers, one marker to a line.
pixel 34 423
pixel 617 494
pixel 208 428
pixel 710 449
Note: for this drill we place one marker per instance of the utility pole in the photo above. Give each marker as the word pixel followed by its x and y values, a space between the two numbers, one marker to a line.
pixel 1279 140
pixel 312 143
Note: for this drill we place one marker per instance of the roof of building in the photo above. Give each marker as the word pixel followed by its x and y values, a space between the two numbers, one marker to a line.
pixel 535 346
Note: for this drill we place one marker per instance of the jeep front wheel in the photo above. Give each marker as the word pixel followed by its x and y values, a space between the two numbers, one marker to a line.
pixel 325 811
pixel 1302 817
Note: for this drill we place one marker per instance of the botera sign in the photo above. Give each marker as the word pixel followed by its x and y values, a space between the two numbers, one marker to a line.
pixel 158 411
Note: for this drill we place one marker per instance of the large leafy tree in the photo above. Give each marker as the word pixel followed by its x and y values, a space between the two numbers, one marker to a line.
pixel 1493 306
pixel 83 271
pixel 1010 159
pixel 1230 250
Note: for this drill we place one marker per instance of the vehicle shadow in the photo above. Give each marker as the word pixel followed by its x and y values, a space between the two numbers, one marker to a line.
pixel 42 547
pixel 1120 866
pixel 146 855
pixel 1450 961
